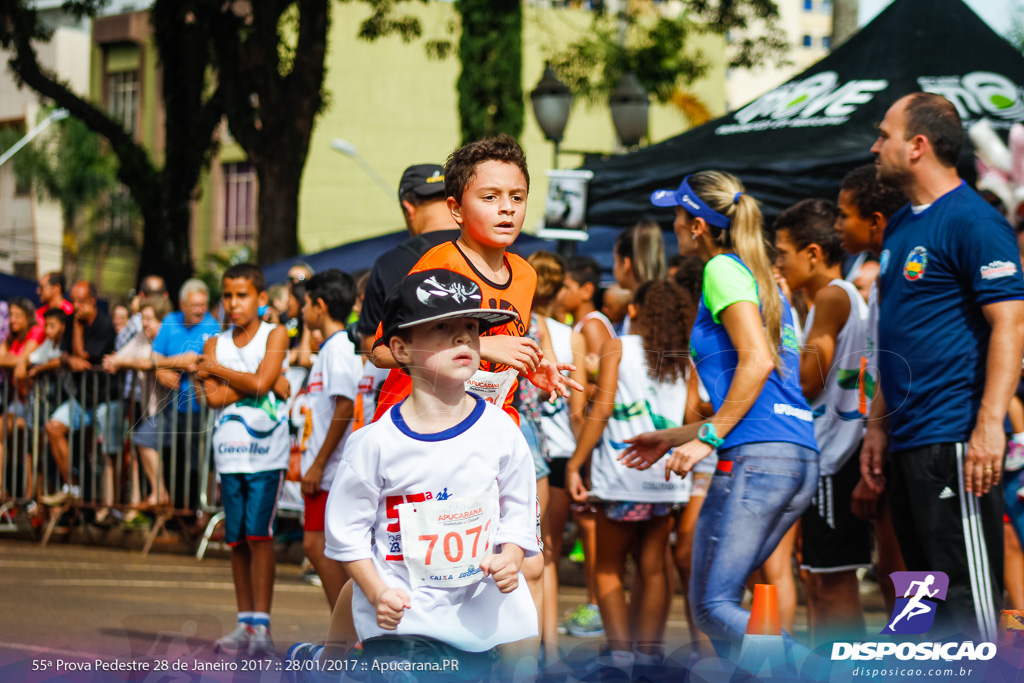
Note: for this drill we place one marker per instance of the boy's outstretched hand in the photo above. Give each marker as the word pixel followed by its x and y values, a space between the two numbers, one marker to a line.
pixel 519 353
pixel 504 569
pixel 391 605
pixel 548 377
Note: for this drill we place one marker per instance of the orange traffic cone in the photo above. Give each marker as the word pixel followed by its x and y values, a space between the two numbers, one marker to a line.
pixel 764 613
pixel 764 651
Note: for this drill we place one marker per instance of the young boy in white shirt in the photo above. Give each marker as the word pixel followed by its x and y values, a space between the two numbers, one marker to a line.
pixel 331 398
pixel 432 508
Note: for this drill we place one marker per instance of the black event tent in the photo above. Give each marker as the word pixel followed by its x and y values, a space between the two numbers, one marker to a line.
pixel 800 139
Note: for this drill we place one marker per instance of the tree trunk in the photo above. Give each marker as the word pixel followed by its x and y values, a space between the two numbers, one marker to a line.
pixel 278 210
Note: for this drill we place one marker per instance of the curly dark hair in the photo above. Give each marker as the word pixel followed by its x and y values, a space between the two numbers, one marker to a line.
pixel 690 276
pixel 870 194
pixel 664 316
pixel 460 167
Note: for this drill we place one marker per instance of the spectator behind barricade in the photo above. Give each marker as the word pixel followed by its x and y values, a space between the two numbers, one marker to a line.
pixel 300 272
pixel 51 295
pixel 277 295
pixel 47 356
pixel 86 341
pixel 119 317
pixel 639 257
pixel 152 286
pixel 22 339
pixel 175 349
pixel 137 355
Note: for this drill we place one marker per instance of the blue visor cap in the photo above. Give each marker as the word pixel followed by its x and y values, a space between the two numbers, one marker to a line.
pixel 688 199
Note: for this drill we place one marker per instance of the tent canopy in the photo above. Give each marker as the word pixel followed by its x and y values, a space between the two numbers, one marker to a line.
pixel 800 139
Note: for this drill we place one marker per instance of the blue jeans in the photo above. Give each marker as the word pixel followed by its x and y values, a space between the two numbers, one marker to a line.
pixel 744 516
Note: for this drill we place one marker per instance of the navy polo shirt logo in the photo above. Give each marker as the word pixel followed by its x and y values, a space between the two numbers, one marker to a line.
pixel 916 264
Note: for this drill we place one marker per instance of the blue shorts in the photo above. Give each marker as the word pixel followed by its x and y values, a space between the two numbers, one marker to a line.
pixel 250 505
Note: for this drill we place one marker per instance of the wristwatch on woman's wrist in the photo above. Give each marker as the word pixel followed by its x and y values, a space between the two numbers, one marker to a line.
pixel 708 435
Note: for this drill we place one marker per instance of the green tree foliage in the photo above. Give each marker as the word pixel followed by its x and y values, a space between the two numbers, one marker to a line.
pixel 73 166
pixel 658 47
pixel 490 84
pixel 193 111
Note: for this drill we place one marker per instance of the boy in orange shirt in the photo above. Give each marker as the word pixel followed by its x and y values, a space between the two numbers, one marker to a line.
pixel 487 184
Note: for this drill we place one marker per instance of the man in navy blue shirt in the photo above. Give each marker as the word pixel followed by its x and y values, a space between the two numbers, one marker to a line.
pixel 950 343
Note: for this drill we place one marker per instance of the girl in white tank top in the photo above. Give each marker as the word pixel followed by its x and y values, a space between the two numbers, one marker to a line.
pixel 641 387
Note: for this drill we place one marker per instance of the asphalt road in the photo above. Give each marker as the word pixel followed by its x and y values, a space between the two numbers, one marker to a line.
pixel 82 603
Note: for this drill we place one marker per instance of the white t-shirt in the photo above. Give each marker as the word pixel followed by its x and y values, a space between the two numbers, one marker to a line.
pixel 45 352
pixel 387 464
pixel 642 404
pixel 335 373
pixel 554 417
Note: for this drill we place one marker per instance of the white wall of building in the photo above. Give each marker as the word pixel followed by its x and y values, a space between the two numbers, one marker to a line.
pixel 803 21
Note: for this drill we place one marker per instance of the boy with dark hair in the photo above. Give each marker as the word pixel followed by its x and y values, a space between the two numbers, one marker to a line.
pixel 835 541
pixel 241 375
pixel 432 510
pixel 332 390
pixel 487 183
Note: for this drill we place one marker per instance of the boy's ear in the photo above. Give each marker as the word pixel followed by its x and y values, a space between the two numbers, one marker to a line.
pixel 587 290
pixel 455 209
pixel 399 350
pixel 261 298
pixel 631 307
pixel 878 221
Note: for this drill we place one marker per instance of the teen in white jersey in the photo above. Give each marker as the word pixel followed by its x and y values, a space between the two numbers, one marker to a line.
pixel 641 387
pixel 332 391
pixel 241 375
pixel 833 378
pixel 433 507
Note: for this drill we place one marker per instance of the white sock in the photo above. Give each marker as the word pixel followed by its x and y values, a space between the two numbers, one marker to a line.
pixel 261 618
pixel 648 658
pixel 621 657
pixel 245 617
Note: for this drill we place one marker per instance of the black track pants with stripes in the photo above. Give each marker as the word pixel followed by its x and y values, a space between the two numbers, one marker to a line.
pixel 941 527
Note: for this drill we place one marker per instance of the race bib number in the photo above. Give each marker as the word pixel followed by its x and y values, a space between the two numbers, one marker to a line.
pixel 444 540
pixel 492 387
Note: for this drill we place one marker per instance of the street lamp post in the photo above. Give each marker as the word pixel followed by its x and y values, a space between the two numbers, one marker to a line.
pixel 351 151
pixel 551 101
pixel 629 104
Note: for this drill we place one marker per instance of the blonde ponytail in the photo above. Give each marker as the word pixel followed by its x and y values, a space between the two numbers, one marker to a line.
pixel 724 193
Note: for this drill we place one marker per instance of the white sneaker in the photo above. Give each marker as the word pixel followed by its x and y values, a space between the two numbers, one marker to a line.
pixel 259 640
pixel 236 641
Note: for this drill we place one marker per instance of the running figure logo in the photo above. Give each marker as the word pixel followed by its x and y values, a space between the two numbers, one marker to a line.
pixel 914 612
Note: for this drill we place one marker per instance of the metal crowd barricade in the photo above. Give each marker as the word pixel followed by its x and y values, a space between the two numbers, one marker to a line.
pixel 102 413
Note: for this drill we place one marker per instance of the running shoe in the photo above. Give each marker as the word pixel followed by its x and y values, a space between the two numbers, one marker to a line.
pixel 259 640
pixel 302 665
pixel 311 577
pixel 234 642
pixel 585 622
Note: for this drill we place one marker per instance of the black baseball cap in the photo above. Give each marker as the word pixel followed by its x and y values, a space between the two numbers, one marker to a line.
pixel 437 294
pixel 424 180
